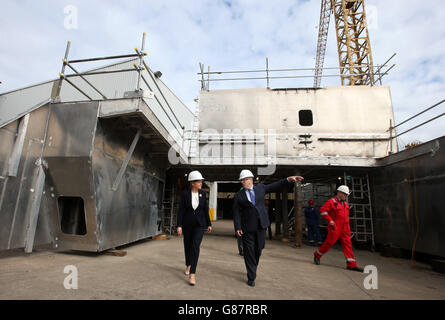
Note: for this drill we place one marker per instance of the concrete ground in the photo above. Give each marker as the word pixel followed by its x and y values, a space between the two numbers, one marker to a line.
pixel 153 269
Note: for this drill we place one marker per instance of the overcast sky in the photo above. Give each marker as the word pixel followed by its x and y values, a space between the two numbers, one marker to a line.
pixel 227 35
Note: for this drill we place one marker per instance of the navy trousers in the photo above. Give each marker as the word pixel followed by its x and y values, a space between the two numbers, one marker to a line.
pixel 192 242
pixel 312 227
pixel 253 244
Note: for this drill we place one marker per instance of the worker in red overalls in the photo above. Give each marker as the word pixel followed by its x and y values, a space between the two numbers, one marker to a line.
pixel 336 212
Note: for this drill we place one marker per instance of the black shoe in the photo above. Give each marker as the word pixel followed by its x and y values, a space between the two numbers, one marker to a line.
pixel 241 253
pixel 355 269
pixel 251 283
pixel 316 260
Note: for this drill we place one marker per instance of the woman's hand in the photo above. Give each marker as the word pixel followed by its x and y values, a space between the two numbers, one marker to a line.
pixel 209 229
pixel 179 231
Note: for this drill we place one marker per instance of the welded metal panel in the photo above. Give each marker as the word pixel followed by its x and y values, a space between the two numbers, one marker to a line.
pixel 407 197
pixel 68 149
pixel 83 160
pixel 7 138
pixel 71 129
pixel 131 212
pixel 16 191
pixel 347 121
pixel 72 177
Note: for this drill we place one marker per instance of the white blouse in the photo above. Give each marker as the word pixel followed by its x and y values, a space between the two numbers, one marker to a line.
pixel 195 200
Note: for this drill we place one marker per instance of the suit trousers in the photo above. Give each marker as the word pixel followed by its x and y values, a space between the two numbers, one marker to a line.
pixel 192 241
pixel 253 244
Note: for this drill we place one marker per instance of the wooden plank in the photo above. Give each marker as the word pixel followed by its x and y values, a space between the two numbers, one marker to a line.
pixel 116 253
pixel 160 237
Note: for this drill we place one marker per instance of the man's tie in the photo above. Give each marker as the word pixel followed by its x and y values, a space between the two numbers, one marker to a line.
pixel 252 196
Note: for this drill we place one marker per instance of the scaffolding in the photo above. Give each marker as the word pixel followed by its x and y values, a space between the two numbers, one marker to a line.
pixel 205 77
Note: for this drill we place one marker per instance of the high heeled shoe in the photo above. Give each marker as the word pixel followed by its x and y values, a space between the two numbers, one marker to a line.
pixel 192 280
pixel 187 271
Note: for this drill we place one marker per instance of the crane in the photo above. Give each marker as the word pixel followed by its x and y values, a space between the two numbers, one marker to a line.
pixel 353 45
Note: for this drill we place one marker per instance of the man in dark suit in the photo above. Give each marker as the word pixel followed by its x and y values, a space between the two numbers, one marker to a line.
pixel 251 219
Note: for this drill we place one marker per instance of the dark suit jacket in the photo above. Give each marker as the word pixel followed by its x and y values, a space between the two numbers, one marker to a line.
pixel 246 215
pixel 187 216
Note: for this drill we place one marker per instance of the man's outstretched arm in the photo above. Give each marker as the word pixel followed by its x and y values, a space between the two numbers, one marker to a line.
pixel 276 186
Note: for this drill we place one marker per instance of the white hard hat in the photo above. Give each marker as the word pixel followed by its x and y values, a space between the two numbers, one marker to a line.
pixel 245 174
pixel 344 189
pixel 195 175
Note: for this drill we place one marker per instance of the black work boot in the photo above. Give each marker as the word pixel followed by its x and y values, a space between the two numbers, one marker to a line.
pixel 316 260
pixel 358 269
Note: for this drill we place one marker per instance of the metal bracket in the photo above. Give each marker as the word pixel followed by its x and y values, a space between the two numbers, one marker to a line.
pixel 435 148
pixel 16 154
pixel 34 210
pixel 126 161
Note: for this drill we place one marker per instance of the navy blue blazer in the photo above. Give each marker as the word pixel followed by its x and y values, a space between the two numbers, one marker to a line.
pixel 187 215
pixel 245 214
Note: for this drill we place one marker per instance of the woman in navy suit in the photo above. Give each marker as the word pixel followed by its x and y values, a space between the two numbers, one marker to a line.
pixel 193 220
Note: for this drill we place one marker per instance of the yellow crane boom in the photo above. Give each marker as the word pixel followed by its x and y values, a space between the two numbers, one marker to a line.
pixel 353 45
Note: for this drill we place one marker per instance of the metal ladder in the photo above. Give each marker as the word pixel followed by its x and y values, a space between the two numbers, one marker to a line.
pixel 170 209
pixel 360 215
pixel 194 136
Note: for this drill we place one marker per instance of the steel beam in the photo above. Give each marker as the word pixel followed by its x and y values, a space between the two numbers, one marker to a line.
pixel 34 210
pixel 285 213
pixel 278 214
pixel 298 205
pixel 126 161
pixel 16 154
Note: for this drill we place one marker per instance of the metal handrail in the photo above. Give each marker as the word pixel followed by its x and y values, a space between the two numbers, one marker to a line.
pixel 391 127
pixel 419 125
pixel 162 95
pixel 142 66
pixel 418 114
pixel 291 77
pixel 105 58
pixel 379 73
pixel 275 70
pixel 66 63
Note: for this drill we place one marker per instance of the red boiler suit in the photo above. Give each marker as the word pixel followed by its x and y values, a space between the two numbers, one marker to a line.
pixel 337 211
